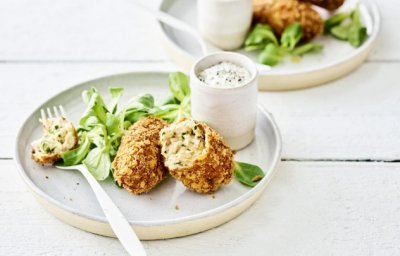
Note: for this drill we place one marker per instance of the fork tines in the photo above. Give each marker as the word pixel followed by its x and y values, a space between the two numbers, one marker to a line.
pixel 57 112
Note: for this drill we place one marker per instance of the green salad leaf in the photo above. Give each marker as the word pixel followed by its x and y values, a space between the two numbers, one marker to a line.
pixel 77 155
pixel 147 100
pixel 179 85
pixel 260 37
pixel 98 163
pixel 248 174
pixel 358 36
pixel 116 93
pixel 291 36
pixel 170 100
pixel 96 108
pixel 271 55
pixel 357 33
pixel 347 27
pixel 168 112
pixel 341 32
pixel 334 21
pixel 307 48
pixel 272 51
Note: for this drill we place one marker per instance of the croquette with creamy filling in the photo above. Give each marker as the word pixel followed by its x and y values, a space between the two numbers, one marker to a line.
pixel 196 155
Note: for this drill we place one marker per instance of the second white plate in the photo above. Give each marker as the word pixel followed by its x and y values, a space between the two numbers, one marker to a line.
pixel 337 59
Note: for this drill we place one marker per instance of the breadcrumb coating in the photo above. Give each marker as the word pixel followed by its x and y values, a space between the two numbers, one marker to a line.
pixel 138 165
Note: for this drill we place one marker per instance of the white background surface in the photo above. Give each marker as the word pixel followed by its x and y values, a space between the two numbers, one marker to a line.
pixel 337 191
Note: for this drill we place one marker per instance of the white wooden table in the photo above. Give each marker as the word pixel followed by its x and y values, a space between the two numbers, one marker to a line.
pixel 338 188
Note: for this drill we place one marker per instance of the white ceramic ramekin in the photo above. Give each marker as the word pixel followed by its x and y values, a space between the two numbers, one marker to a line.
pixel 224 23
pixel 230 111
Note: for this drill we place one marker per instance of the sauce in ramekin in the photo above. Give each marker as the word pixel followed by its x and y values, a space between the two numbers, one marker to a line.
pixel 225 74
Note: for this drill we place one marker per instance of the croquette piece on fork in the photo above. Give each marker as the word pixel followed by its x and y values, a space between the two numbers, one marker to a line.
pixel 59 136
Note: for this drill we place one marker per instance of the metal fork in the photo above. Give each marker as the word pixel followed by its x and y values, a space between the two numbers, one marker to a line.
pixel 118 222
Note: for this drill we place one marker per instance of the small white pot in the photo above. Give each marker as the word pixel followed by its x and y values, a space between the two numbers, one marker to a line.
pixel 230 111
pixel 224 23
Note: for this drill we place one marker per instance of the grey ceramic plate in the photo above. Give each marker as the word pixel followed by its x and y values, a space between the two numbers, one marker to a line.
pixel 337 59
pixel 165 212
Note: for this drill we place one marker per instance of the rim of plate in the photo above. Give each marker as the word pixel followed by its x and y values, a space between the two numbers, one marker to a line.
pixel 172 221
pixel 376 24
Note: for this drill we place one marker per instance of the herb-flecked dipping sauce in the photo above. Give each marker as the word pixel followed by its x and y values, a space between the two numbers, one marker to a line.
pixel 225 74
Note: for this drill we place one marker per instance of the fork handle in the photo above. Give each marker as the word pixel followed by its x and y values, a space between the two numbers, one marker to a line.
pixel 118 222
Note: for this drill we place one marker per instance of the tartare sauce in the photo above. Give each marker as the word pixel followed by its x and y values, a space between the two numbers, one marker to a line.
pixel 225 75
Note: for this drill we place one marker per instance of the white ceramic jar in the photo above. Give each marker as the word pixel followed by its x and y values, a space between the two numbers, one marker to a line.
pixel 224 23
pixel 231 111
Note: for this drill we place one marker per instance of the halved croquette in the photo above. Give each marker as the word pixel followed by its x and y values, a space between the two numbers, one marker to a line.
pixel 195 154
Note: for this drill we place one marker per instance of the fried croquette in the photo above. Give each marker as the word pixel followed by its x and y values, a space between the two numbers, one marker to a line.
pixel 329 5
pixel 138 165
pixel 59 136
pixel 279 14
pixel 196 155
